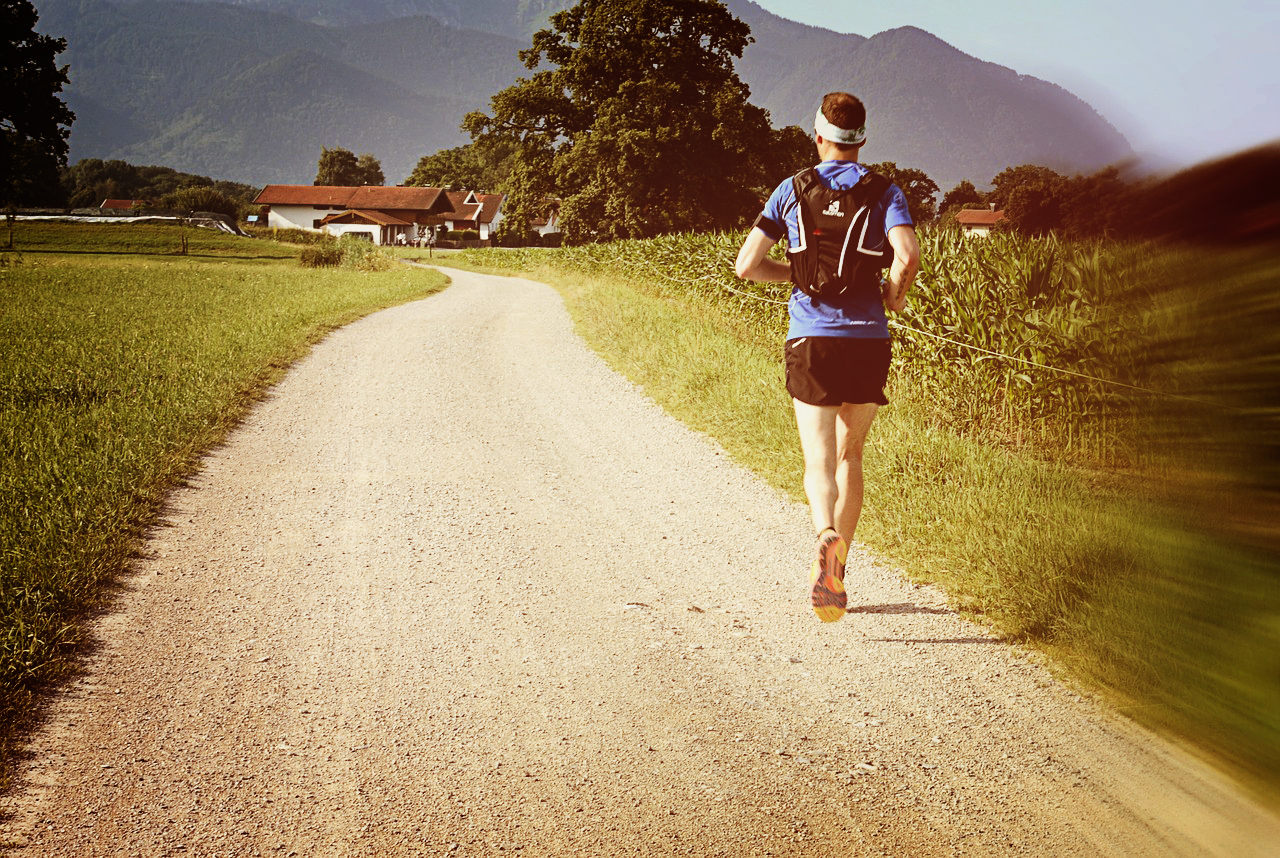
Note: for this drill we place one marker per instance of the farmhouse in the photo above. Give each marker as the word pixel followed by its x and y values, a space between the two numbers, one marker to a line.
pixel 547 221
pixel 471 211
pixel 978 221
pixel 386 215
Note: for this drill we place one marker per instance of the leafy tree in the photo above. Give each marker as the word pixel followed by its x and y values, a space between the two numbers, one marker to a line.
pixel 201 199
pixel 963 195
pixel 340 167
pixel 921 191
pixel 1031 198
pixel 1225 201
pixel 93 180
pixel 34 122
pixel 1095 206
pixel 370 170
pixel 337 167
pixel 792 150
pixel 478 166
pixel 635 119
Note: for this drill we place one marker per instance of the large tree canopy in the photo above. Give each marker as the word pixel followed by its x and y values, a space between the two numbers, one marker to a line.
pixel 341 168
pixel 479 166
pixel 635 119
pixel 962 196
pixel 921 191
pixel 1031 198
pixel 34 121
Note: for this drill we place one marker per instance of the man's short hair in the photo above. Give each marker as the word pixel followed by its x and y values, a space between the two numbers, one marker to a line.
pixel 844 111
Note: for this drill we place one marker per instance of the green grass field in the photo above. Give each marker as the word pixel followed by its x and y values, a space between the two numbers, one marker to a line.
pixel 123 362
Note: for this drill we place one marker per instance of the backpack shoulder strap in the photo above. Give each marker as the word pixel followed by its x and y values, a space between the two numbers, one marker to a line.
pixel 804 181
pixel 872 186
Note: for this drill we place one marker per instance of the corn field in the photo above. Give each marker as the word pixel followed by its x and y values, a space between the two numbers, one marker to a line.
pixel 1032 343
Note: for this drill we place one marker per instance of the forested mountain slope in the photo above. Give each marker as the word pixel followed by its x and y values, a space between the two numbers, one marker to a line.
pixel 252 90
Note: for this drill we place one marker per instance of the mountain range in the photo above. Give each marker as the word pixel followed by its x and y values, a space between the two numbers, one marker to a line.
pixel 251 90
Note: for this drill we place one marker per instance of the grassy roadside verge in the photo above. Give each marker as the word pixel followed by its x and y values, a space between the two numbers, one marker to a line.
pixel 123 363
pixel 1127 583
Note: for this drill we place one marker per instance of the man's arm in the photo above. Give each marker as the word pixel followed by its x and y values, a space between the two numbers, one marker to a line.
pixel 753 261
pixel 905 267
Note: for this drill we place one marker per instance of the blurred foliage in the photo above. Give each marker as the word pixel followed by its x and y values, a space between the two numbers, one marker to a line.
pixel 1229 201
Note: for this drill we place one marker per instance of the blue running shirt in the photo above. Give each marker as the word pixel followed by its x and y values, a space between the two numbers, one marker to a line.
pixel 848 316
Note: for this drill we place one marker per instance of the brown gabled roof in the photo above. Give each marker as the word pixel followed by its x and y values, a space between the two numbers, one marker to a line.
pixel 364 198
pixel 489 205
pixel 979 217
pixel 329 196
pixel 418 199
pixel 470 206
pixel 365 216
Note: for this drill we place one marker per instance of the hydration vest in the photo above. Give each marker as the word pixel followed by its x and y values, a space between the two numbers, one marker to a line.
pixel 835 255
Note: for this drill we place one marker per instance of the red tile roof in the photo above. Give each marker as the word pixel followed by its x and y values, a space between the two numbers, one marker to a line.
pixel 423 199
pixel 979 217
pixel 367 197
pixel 305 195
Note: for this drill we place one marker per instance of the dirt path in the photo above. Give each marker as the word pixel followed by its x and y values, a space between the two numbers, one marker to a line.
pixel 457 589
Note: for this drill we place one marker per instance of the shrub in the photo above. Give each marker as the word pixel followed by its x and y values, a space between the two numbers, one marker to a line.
pixel 321 256
pixel 202 199
pixel 290 235
pixel 362 255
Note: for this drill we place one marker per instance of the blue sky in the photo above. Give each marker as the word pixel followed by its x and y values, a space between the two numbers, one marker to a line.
pixel 1183 80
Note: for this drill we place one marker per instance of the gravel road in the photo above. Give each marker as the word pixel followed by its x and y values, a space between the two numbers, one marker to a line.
pixel 455 588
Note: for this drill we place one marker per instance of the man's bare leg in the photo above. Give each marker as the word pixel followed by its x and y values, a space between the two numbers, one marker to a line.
pixel 852 426
pixel 832 439
pixel 817 427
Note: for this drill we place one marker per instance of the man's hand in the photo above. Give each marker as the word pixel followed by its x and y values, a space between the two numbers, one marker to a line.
pixel 894 295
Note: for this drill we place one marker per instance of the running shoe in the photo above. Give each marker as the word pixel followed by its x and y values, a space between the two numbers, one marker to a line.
pixel 827 591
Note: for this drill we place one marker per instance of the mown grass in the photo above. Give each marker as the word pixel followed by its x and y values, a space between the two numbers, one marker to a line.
pixel 123 362
pixel 1138 550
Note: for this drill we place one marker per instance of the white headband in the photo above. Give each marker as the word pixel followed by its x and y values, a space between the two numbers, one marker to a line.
pixel 838 135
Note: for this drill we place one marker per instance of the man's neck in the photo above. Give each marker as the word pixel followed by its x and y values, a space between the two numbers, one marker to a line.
pixel 828 151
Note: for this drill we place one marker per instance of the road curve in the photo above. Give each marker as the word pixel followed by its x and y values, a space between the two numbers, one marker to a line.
pixel 455 588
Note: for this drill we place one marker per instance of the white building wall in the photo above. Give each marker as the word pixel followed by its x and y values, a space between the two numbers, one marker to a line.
pixel 297 217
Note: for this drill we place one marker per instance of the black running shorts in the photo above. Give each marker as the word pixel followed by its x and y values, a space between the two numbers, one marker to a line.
pixel 836 370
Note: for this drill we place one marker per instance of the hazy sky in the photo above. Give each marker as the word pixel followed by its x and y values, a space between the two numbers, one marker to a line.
pixel 1183 80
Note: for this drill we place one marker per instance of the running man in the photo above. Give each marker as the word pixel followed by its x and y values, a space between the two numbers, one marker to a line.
pixel 837 348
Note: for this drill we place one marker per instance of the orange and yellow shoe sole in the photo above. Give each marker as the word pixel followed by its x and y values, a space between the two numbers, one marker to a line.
pixel 826 592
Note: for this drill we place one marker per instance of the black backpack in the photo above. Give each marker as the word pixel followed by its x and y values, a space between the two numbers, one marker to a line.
pixel 832 258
